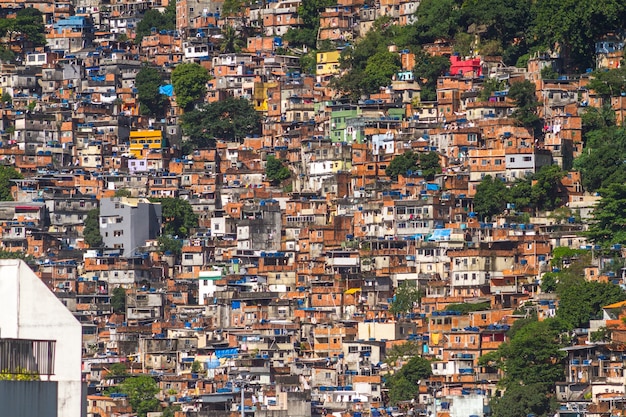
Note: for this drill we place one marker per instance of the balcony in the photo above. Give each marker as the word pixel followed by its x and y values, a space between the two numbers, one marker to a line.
pixel 27 357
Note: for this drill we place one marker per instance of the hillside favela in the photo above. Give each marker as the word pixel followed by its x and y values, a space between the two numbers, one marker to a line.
pixel 312 208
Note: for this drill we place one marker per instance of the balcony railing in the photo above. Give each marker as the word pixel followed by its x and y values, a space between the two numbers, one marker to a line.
pixel 19 356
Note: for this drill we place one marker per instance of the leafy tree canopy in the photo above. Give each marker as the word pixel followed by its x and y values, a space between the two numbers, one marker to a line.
pixel 148 81
pixel 91 231
pixel 609 216
pixel 309 12
pixel 189 80
pixel 406 296
pixel 141 391
pixel 154 19
pixel 490 198
pixel 178 216
pixel 7 173
pixel 583 301
pixel 533 354
pixel 275 171
pixel 27 26
pixel 118 300
pixel 522 401
pixel 232 119
pixel 426 71
pixel 602 161
pixel 404 384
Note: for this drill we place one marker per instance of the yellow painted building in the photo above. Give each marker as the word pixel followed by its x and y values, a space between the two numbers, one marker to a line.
pixel 142 141
pixel 327 63
pixel 261 96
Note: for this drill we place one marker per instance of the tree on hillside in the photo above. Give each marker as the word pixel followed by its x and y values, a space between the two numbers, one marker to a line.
pixel 428 68
pixel 490 198
pixel 406 296
pixel 178 216
pixel 523 94
pixel 7 173
pixel 189 80
pixel 148 81
pixel 91 231
pixel 402 164
pixel 309 13
pixel 404 384
pixel 27 26
pixel 523 401
pixel 118 300
pixel 532 356
pixel 141 391
pixel 574 26
pixel 154 19
pixel 231 119
pixel 609 216
pixel 275 171
pixel 231 41
pixel 437 19
pixel 602 162
pixel 546 192
pixel 583 301
pixel 430 165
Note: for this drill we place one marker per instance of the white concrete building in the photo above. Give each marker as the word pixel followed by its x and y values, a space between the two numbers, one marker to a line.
pixel 29 310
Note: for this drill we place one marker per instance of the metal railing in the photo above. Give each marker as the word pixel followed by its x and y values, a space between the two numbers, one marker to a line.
pixel 18 356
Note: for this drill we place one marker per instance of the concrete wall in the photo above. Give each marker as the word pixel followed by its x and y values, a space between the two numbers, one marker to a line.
pixel 29 398
pixel 28 310
pixel 140 220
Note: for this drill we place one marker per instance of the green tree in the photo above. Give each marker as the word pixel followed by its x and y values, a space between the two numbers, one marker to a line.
pixel 275 171
pixel 437 19
pixel 546 192
pixel 520 193
pixel 141 391
pixel 189 80
pixel 168 244
pixel 522 401
pixel 406 296
pixel 583 301
pixel 154 19
pixel 7 173
pixel 122 192
pixel 428 68
pixel 533 354
pixel 148 81
pixel 602 161
pixel 549 282
pixel 574 26
pixel 608 83
pixel 489 87
pixel 117 370
pixel 523 94
pixel 231 41
pixel 118 300
pixel 26 27
pixel 490 198
pixel 402 164
pixel 430 165
pixel 231 119
pixel 380 69
pixel 91 231
pixel 309 13
pixel 404 384
pixel 178 216
pixel 609 216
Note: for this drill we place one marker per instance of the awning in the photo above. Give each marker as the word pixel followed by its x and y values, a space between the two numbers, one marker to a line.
pixel 351 291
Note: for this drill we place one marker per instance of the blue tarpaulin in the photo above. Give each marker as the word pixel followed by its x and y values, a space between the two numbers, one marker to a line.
pixel 226 353
pixel 167 90
pixel 439 234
